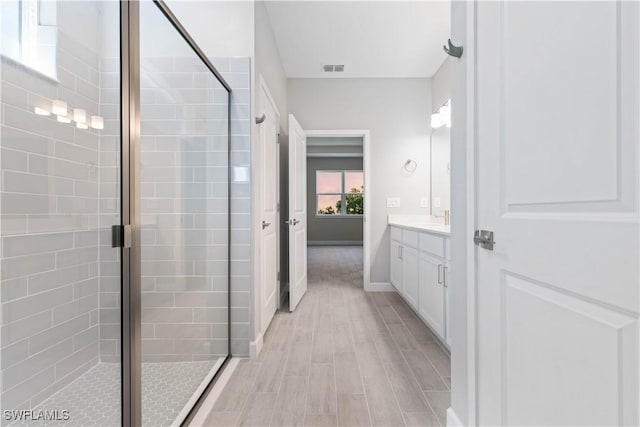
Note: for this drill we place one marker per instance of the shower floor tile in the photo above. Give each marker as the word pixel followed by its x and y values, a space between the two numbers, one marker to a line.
pixel 94 398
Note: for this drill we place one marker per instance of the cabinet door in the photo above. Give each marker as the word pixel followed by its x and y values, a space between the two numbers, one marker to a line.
pixel 432 301
pixel 396 265
pixel 410 282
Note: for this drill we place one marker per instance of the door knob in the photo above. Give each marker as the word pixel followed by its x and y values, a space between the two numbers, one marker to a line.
pixel 265 224
pixel 484 239
pixel 292 221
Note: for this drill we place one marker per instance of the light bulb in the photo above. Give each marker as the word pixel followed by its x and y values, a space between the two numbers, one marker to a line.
pixel 79 115
pixel 41 111
pixel 82 125
pixel 436 120
pixel 97 122
pixel 445 111
pixel 64 119
pixel 59 108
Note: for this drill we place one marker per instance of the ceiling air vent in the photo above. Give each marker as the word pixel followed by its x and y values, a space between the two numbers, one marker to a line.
pixel 338 68
pixel 327 68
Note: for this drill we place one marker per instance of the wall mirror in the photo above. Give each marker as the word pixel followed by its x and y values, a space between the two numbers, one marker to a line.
pixel 440 160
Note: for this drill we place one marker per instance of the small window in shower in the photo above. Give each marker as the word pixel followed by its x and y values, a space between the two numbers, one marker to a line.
pixel 29 34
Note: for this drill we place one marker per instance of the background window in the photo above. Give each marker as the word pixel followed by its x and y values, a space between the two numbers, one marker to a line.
pixel 339 192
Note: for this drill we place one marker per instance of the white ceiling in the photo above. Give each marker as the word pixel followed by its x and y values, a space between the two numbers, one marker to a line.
pixel 371 38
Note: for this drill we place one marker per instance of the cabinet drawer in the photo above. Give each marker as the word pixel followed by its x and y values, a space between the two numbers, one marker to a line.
pixel 410 238
pixel 432 244
pixel 396 234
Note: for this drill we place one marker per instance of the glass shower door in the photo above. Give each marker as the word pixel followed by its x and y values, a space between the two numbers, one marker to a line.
pixel 60 277
pixel 184 214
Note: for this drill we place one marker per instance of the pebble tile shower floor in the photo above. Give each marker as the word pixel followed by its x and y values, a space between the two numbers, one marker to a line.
pixel 94 398
pixel 343 358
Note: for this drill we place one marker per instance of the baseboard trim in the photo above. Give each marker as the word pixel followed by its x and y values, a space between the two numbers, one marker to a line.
pixel 207 406
pixel 379 287
pixel 334 243
pixel 255 347
pixel 452 419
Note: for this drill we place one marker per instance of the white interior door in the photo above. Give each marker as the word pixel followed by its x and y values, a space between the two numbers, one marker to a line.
pixel 268 137
pixel 557 181
pixel 297 212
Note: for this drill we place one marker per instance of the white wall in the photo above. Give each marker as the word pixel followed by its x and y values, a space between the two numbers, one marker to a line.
pixel 441 84
pixel 268 64
pixel 397 112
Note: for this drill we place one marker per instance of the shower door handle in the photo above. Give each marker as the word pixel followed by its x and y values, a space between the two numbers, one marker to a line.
pixel 121 236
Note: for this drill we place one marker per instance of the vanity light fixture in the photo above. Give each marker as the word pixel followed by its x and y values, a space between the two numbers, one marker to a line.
pixel 41 111
pixel 97 122
pixel 59 108
pixel 79 115
pixel 66 114
pixel 436 120
pixel 442 117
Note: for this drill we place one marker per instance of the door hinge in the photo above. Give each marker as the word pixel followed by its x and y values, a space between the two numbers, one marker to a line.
pixel 278 207
pixel 278 275
pixel 121 236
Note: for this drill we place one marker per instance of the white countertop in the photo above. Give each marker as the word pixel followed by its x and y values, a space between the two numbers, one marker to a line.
pixel 420 223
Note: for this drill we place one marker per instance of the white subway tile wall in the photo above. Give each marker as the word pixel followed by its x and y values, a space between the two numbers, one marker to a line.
pixel 237 73
pixel 184 132
pixel 55 225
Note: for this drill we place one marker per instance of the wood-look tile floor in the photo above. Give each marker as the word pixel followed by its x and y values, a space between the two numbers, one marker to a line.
pixel 343 358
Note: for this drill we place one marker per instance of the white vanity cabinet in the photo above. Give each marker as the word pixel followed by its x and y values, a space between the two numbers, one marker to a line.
pixel 420 273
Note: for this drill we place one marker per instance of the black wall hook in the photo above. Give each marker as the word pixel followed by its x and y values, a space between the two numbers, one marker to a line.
pixel 453 50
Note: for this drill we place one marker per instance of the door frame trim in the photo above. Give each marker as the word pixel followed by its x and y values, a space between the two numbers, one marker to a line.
pixel 366 168
pixel 463 303
pixel 130 259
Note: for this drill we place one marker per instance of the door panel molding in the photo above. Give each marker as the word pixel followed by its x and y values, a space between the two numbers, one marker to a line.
pixel 523 299
pixel 606 182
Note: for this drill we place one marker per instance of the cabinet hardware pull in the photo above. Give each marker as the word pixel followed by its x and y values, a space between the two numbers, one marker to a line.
pixel 444 276
pixel 440 274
